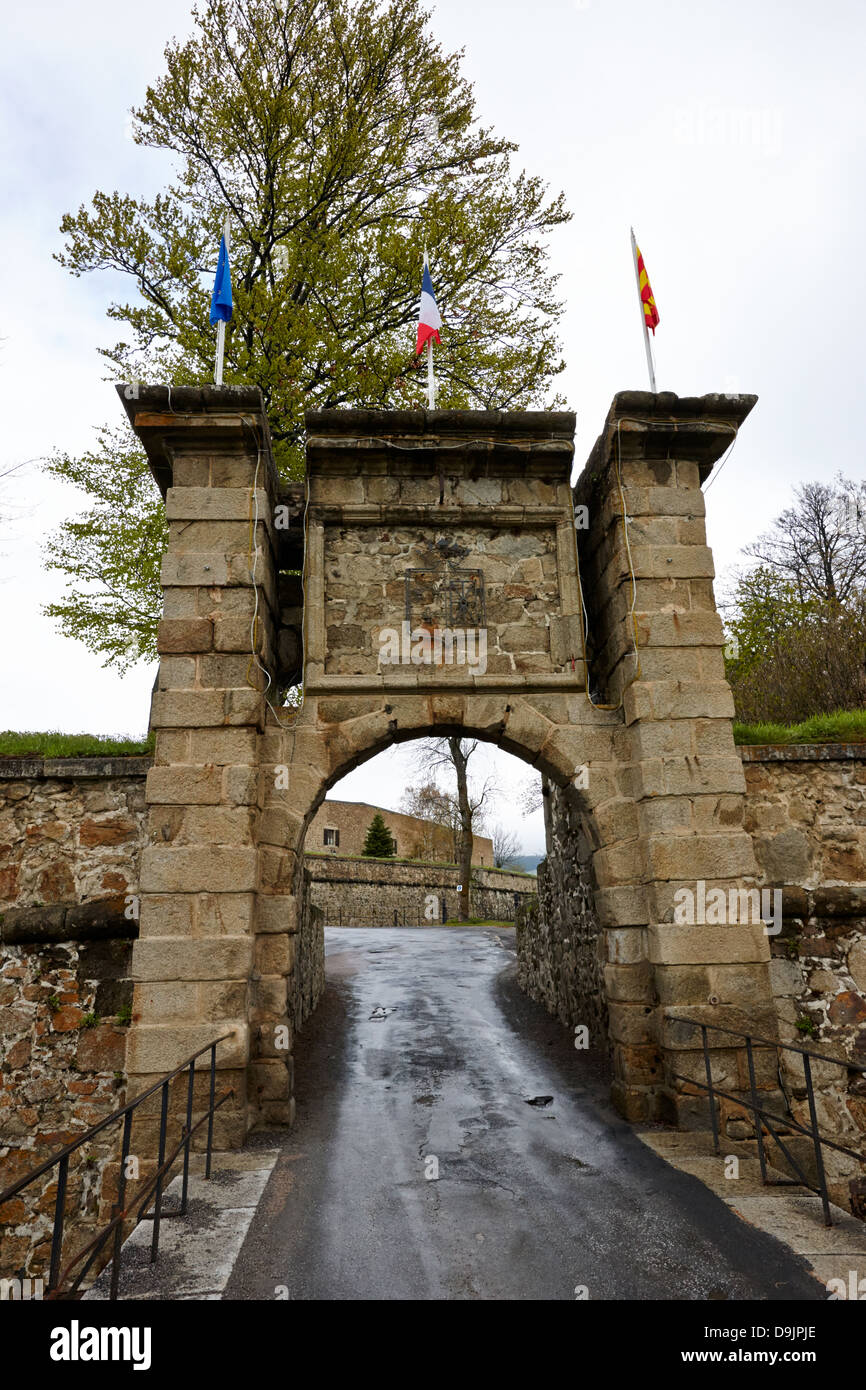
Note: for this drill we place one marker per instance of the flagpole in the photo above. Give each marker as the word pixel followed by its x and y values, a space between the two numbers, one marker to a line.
pixel 431 379
pixel 221 326
pixel 649 355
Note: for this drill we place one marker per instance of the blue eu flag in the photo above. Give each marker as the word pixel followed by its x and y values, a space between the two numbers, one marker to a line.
pixel 221 300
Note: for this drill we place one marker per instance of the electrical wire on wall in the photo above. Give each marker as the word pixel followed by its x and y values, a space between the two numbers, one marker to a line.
pixel 625 518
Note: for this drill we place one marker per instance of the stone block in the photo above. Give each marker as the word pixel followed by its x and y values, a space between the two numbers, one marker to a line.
pixel 224 914
pixel 235 470
pixel 167 869
pixel 184 635
pixel 194 568
pixel 216 826
pixel 187 709
pixel 621 905
pixel 268 998
pixel 272 954
pixel 214 504
pixel 277 913
pixel 692 629
pixel 526 729
pixel 662 739
pixel 232 634
pixel 685 857
pixel 190 470
pixel 221 746
pixel 158 1049
pixel 674 944
pixel 632 984
pixel 625 945
pixel 185 958
pixel 687 776
pixel 166 914
pixel 280 825
pixel 714 738
pixel 632 1024
pixel 269 1079
pixel 176 673
pixel 673 561
pixel 184 785
pixel 683 986
pixel 617 865
pixel 240 785
pixel 276 869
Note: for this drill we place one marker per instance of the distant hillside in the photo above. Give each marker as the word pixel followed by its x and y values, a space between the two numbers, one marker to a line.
pixel 527 862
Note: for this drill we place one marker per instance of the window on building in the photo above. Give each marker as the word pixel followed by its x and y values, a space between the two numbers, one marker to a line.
pixel 332 836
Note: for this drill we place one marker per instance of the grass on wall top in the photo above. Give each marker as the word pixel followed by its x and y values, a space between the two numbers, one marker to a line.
pixel 52 744
pixel 845 726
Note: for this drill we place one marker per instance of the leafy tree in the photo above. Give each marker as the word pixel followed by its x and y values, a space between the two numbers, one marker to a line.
pixel 819 544
pixel 342 140
pixel 796 622
pixel 816 668
pixel 112 554
pixel 379 842
pixel 437 812
pixel 763 608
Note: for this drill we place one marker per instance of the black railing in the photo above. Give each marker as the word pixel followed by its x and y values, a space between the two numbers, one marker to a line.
pixel 765 1119
pixel 153 1187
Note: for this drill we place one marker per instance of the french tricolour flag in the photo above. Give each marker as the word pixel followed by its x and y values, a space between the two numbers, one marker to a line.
pixel 429 318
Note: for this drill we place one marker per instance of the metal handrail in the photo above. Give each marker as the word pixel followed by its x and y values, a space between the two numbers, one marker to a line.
pixel 761 1117
pixel 154 1184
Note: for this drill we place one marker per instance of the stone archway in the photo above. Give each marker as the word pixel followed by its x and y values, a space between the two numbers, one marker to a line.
pixel 417 519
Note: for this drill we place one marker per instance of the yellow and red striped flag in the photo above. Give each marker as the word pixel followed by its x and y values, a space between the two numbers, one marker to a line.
pixel 651 313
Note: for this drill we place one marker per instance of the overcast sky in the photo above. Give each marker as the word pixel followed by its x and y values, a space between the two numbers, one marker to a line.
pixel 730 134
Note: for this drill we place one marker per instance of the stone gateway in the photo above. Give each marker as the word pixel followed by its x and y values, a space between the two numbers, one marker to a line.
pixel 607 676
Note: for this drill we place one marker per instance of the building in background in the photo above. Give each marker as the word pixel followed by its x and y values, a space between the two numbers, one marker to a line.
pixel 339 827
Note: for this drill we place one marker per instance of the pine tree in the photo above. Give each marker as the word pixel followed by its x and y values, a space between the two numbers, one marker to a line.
pixel 379 843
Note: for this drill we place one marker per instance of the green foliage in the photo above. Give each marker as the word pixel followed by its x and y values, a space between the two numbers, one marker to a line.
pixel 763 608
pixel 790 658
pixel 57 745
pixel 111 555
pixel 846 726
pixel 53 1002
pixel 796 622
pixel 806 1024
pixel 379 842
pixel 90 1020
pixel 342 140
pixel 124 1015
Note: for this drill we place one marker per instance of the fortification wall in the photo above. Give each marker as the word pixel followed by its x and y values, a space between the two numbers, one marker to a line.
pixel 382 893
pixel 559 941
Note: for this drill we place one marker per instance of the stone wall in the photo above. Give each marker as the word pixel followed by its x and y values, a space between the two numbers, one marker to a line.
pixel 65 997
pixel 416 838
pixel 510 574
pixel 70 846
pixel 559 940
pixel 70 829
pixel 382 893
pixel 806 810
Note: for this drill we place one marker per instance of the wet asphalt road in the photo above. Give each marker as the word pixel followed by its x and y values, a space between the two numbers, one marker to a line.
pixel 423 1049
